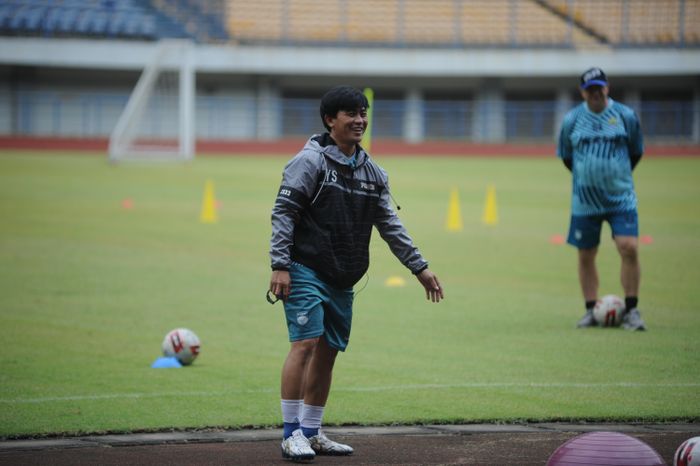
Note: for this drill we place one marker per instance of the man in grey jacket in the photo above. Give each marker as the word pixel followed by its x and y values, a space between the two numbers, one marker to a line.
pixel 332 194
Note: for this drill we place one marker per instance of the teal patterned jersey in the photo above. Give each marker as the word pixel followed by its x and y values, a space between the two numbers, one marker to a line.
pixel 601 147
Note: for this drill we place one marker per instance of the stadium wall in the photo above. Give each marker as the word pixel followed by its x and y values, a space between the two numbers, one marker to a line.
pixel 291 146
pixel 75 89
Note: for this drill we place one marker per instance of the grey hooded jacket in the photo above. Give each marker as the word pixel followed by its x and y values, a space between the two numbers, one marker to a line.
pixel 325 210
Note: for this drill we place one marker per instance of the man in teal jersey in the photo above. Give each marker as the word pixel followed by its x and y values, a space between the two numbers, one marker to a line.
pixel 601 143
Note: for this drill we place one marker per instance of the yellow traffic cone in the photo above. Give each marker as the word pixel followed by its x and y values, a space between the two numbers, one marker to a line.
pixel 209 213
pixel 394 281
pixel 367 137
pixel 490 209
pixel 454 213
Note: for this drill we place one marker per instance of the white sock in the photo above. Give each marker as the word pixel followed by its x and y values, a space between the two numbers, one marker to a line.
pixel 311 417
pixel 291 411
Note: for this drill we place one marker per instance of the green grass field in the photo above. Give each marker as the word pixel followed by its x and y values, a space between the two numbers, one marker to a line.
pixel 88 289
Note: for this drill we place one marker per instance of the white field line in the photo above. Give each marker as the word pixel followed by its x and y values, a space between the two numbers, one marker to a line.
pixel 386 388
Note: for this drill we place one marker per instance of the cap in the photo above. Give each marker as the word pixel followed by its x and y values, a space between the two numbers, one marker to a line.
pixel 593 77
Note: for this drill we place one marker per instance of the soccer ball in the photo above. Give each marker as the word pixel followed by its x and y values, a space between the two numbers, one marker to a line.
pixel 688 454
pixel 182 344
pixel 608 311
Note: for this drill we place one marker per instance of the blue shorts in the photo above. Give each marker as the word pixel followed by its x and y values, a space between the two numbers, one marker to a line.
pixel 584 231
pixel 315 308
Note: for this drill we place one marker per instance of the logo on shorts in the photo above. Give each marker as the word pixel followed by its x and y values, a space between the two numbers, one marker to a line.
pixel 302 318
pixel 578 235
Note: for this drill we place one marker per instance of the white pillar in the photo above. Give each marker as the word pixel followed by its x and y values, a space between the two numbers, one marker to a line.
pixel 696 116
pixel 187 101
pixel 633 99
pixel 489 114
pixel 563 104
pixel 413 127
pixel 268 111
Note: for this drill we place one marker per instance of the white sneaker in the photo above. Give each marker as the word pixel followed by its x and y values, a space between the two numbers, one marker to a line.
pixel 322 445
pixel 587 320
pixel 296 447
pixel 632 320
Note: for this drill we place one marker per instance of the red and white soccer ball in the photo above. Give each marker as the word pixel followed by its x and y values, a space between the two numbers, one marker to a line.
pixel 182 344
pixel 608 311
pixel 688 454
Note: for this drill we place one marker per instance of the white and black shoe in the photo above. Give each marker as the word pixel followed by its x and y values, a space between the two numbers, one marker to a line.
pixel 587 320
pixel 322 445
pixel 296 447
pixel 632 320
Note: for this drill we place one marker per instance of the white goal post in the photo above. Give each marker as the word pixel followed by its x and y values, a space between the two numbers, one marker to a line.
pixel 158 122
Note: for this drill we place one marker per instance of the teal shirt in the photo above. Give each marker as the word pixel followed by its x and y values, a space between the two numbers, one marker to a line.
pixel 600 147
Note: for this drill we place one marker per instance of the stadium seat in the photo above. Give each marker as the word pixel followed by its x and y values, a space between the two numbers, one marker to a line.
pixel 630 23
pixel 84 21
pixel 68 19
pixel 256 19
pixel 482 24
pixel 691 30
pixel 442 23
pixel 653 22
pixel 52 20
pixel 538 26
pixel 99 23
pixel 18 18
pixel 6 12
pixel 131 23
pixel 147 27
pixel 304 25
pixel 429 22
pixel 115 24
pixel 372 21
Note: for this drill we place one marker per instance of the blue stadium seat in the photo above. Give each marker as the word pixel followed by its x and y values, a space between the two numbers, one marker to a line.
pixel 6 12
pixel 131 23
pixel 52 21
pixel 115 24
pixel 68 20
pixel 75 3
pixel 99 23
pixel 16 19
pixel 104 18
pixel 34 18
pixel 84 21
pixel 146 27
pixel 24 18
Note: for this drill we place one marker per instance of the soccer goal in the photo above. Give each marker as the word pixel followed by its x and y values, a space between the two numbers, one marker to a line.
pixel 158 120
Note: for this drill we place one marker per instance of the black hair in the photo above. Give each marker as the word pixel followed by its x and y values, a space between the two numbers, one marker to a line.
pixel 341 98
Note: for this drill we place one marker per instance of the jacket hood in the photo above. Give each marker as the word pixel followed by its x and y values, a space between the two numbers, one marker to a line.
pixel 324 144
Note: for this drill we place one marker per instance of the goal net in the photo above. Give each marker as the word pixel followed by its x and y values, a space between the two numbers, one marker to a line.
pixel 158 120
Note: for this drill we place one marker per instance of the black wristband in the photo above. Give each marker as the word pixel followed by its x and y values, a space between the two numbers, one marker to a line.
pixel 420 270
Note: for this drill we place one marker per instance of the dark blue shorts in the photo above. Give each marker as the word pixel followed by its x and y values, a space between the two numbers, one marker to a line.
pixel 315 308
pixel 584 231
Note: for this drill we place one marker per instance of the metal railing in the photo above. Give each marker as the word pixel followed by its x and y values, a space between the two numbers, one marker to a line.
pixel 233 117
